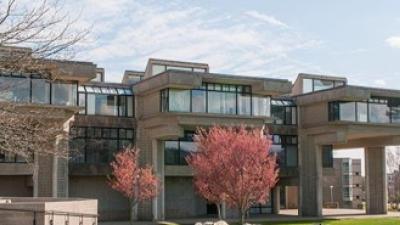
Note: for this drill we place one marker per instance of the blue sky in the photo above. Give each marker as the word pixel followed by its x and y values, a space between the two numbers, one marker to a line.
pixel 358 39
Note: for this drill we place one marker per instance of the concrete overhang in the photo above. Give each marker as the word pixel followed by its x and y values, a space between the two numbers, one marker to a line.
pixel 353 135
pixel 344 93
pixel 42 110
pixel 73 70
pixel 190 80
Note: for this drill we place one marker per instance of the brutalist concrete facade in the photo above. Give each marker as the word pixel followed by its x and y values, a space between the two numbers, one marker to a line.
pixel 159 109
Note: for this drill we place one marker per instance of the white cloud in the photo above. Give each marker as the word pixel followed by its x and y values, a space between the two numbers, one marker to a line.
pixel 266 18
pixel 127 33
pixel 393 41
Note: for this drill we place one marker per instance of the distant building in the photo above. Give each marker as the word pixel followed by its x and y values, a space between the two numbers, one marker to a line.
pixel 346 183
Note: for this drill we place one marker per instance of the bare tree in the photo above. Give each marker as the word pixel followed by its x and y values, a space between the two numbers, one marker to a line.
pixel 35 37
pixel 393 164
pixel 40 30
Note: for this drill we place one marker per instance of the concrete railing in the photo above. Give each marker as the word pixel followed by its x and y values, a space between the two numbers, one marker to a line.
pixel 48 211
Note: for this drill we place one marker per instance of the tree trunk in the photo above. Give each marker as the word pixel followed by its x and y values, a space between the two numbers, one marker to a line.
pixel 242 214
pixel 133 211
pixel 219 210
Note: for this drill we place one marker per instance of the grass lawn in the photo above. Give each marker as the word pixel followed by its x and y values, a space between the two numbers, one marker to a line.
pixel 373 221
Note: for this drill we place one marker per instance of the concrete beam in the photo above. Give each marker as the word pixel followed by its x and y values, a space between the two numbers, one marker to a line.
pixel 370 142
pixel 376 181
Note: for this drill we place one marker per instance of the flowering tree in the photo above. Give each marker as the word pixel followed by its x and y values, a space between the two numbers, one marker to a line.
pixel 234 165
pixel 136 183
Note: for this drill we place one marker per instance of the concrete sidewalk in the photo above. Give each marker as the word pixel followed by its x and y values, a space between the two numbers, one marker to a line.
pixel 285 215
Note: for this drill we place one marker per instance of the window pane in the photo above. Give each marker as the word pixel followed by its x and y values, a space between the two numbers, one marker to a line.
pixel 307 85
pixel 244 104
pixel 40 91
pixel 198 101
pixel 395 114
pixel 261 106
pixel 82 103
pixel 322 84
pixel 291 156
pixel 64 94
pixel 378 113
pixel 14 89
pixel 362 112
pixel 171 149
pixel 122 105
pixel 339 83
pixel 347 111
pixel 179 100
pixel 186 148
pixel 278 114
pixel 327 156
pixel 156 69
pixel 215 102
pixel 129 105
pixel 201 70
pixel 290 115
pixel 179 68
pixel 229 103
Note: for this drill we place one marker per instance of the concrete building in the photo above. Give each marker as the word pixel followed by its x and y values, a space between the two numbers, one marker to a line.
pixel 344 186
pixel 158 110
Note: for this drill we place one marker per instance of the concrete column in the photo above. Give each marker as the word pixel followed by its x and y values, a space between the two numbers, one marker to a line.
pixel 276 200
pixel 376 181
pixel 310 175
pixel 223 210
pixel 158 164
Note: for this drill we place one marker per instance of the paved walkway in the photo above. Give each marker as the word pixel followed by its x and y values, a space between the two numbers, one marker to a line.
pixel 285 215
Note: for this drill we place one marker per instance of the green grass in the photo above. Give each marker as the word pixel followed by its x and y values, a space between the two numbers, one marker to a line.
pixel 372 221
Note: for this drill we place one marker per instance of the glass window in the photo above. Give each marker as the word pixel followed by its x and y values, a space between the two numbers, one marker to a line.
pixel 198 101
pixel 156 69
pixel 64 94
pixel 179 68
pixel 347 111
pixel 201 70
pixel 291 156
pixel 322 84
pixel 164 100
pixel 186 148
pixel 362 112
pixel 82 103
pixel 122 105
pixel 14 89
pixel 129 105
pixel 261 106
pixel 278 114
pixel 215 104
pixel 102 105
pixel 171 152
pixel 290 115
pixel 40 91
pixel 395 112
pixel 244 104
pixel 307 85
pixel 379 113
pixel 327 156
pixel 179 100
pixel 339 83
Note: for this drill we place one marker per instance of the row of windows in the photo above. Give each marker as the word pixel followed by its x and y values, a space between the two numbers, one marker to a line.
pixel 285 146
pixel 33 89
pixel 207 101
pixel 311 85
pixel 96 145
pixel 156 69
pixel 371 111
pixel 8 157
pixel 106 101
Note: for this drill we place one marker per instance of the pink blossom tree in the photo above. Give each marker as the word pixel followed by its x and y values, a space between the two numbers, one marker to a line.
pixel 138 184
pixel 234 165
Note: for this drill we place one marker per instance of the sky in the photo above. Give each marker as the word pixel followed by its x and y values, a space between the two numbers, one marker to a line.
pixel 267 38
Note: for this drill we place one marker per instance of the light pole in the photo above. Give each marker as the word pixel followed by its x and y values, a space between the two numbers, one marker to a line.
pixel 331 192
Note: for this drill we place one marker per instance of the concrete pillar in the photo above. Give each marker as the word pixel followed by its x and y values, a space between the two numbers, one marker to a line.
pixel 375 180
pixel 310 175
pixel 223 210
pixel 276 200
pixel 158 165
